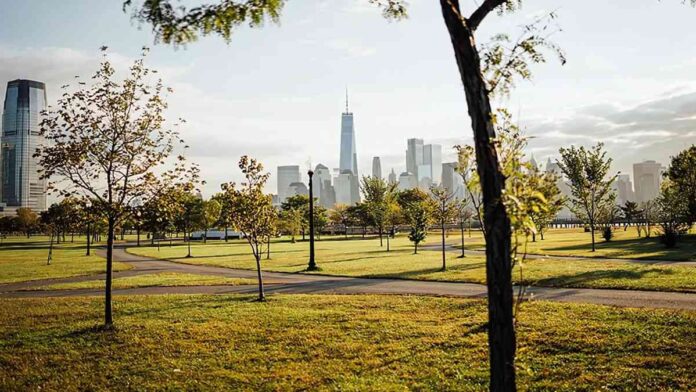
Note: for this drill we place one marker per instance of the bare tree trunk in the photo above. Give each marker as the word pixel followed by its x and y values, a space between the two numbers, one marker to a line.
pixel 262 296
pixel 380 237
pixel 592 230
pixel 108 315
pixel 50 250
pixel 501 330
pixel 461 227
pixel 387 242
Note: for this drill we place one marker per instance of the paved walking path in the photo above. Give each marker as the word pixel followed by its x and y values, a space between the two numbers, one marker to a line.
pixel 278 282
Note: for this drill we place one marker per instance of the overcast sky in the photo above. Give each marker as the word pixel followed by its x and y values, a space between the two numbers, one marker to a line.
pixel 276 93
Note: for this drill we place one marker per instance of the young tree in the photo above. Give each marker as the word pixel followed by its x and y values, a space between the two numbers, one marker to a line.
pixel 291 222
pixel 378 195
pixel 630 212
pixel 546 185
pixel 674 213
pixel 651 215
pixel 587 171
pixel 444 212
pixel 210 214
pixel 26 220
pixel 418 215
pixel 340 215
pixel 464 215
pixel 105 140
pixel 417 210
pixel 300 205
pixel 224 215
pixel 252 212
pixel 466 168
pixel 682 174
pixel 360 216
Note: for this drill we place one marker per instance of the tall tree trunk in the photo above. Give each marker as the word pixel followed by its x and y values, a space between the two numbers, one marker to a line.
pixel 262 296
pixel 205 236
pixel 108 315
pixel 225 233
pixel 501 330
pixel 387 243
pixel 50 250
pixel 268 248
pixel 592 230
pixel 461 227
pixel 380 237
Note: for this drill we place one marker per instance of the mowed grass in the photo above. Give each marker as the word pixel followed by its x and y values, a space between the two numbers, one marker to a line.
pixel 365 258
pixel 170 279
pixel 23 259
pixel 625 245
pixel 310 342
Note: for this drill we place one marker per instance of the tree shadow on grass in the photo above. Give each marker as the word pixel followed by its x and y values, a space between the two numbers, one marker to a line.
pixel 582 279
pixel 685 250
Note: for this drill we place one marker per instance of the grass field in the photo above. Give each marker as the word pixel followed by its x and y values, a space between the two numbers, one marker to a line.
pixel 23 259
pixel 149 280
pixel 625 244
pixel 365 258
pixel 334 343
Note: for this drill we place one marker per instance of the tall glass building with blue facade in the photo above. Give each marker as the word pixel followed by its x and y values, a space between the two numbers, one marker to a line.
pixel 348 162
pixel 20 182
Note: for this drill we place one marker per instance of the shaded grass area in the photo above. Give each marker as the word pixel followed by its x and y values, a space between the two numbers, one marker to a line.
pixel 364 258
pixel 148 280
pixel 334 343
pixel 23 259
pixel 625 244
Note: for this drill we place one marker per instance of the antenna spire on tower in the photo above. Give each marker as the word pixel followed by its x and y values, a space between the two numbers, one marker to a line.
pixel 347 100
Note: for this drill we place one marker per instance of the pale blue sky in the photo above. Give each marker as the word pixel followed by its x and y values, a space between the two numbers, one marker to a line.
pixel 277 93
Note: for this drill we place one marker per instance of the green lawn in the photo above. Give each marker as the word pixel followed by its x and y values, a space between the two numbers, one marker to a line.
pixel 149 280
pixel 308 342
pixel 23 259
pixel 625 244
pixel 365 258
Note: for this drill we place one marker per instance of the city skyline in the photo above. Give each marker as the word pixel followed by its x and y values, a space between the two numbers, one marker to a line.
pixel 615 98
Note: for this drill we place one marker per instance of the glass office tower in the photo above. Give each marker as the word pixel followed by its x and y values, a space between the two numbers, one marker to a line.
pixel 20 183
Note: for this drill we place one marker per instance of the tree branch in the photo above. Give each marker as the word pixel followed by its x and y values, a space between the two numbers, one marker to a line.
pixel 483 10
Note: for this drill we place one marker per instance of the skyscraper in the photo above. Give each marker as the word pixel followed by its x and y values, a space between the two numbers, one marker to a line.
pixel 451 180
pixel 376 167
pixel 392 177
pixel 20 183
pixel 647 177
pixel 349 155
pixel 286 176
pixel 624 189
pixel 407 181
pixel 346 185
pixel 414 155
pixel 432 157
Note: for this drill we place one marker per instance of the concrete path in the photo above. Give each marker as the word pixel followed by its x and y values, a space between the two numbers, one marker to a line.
pixel 293 283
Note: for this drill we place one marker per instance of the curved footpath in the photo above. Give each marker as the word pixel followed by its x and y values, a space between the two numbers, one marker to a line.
pixel 296 283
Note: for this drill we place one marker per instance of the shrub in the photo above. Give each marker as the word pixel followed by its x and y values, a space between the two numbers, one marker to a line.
pixel 607 233
pixel 669 237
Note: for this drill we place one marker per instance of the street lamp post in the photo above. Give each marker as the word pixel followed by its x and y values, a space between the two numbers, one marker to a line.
pixel 137 225
pixel 312 264
pixel 89 233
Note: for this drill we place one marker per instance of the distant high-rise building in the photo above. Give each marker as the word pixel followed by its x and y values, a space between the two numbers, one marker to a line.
pixel 647 177
pixel 392 177
pixel 322 187
pixel 432 156
pixel 451 180
pixel 297 188
pixel 346 188
pixel 414 155
pixel 286 176
pixel 348 159
pixel 624 189
pixel 20 182
pixel 407 181
pixel 349 155
pixel 376 167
